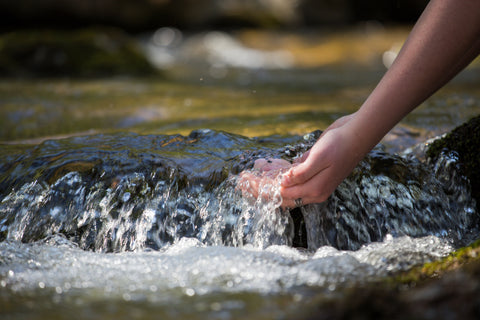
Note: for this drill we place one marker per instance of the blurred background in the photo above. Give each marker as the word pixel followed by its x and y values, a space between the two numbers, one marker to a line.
pixel 166 24
pixel 141 15
pixel 252 67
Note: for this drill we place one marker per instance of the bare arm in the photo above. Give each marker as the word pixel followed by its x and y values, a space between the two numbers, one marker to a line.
pixel 444 40
pixel 447 31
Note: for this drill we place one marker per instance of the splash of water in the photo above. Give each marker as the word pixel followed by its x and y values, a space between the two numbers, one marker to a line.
pixel 180 195
pixel 251 220
pixel 132 214
pixel 190 267
pixel 136 198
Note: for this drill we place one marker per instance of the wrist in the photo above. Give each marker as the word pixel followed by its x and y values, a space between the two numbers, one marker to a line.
pixel 365 133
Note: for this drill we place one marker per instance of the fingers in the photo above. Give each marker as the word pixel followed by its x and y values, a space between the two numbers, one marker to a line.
pixel 303 172
pixel 290 203
pixel 315 190
pixel 248 183
pixel 307 181
pixel 271 164
pixel 264 177
pixel 322 155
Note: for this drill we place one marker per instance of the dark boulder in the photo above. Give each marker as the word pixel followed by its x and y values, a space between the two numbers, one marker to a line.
pixel 86 52
pixel 464 141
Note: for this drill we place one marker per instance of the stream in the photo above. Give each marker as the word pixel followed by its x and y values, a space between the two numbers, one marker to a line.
pixel 119 198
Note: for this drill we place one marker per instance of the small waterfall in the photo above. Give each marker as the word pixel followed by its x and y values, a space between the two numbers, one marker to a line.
pixel 129 192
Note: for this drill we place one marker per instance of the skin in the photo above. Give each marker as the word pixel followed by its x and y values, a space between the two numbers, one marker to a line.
pixel 445 39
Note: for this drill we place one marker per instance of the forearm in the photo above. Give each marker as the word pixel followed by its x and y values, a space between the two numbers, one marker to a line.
pixel 444 40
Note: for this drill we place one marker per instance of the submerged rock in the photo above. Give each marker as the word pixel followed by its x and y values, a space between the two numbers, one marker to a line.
pixel 126 192
pixel 87 52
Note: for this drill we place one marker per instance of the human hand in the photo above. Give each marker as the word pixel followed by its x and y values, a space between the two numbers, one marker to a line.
pixel 319 171
pixel 313 176
pixel 266 174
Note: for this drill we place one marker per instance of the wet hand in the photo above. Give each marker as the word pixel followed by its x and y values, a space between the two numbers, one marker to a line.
pixel 266 172
pixel 313 176
pixel 324 167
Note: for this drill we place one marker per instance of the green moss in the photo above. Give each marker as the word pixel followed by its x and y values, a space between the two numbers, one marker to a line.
pixel 87 52
pixel 465 141
pixel 430 291
pixel 456 260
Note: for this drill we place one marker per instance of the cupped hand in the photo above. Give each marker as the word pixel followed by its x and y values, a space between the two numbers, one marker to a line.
pixel 313 176
pixel 266 172
pixel 318 173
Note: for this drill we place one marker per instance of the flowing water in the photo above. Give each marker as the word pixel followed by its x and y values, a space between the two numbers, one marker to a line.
pixel 133 211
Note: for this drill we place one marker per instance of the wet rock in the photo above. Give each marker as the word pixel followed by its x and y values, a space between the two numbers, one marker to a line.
pixel 87 52
pixel 444 289
pixel 390 195
pixel 125 192
pixel 464 142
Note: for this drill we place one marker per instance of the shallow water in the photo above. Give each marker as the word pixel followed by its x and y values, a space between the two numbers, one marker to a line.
pixel 190 280
pixel 329 75
pixel 127 225
pixel 127 213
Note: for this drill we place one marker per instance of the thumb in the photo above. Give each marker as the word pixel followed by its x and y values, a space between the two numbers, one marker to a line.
pixel 298 174
pixel 316 161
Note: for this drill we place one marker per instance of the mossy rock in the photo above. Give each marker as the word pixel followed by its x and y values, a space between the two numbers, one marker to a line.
pixel 464 258
pixel 445 289
pixel 83 53
pixel 465 141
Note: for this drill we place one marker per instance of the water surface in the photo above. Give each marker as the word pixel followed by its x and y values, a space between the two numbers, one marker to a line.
pixel 117 202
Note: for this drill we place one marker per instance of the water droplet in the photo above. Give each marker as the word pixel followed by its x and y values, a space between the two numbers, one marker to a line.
pixel 126 196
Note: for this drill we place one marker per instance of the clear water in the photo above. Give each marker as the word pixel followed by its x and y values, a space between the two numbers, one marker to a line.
pixel 189 279
pixel 121 217
pixel 147 224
